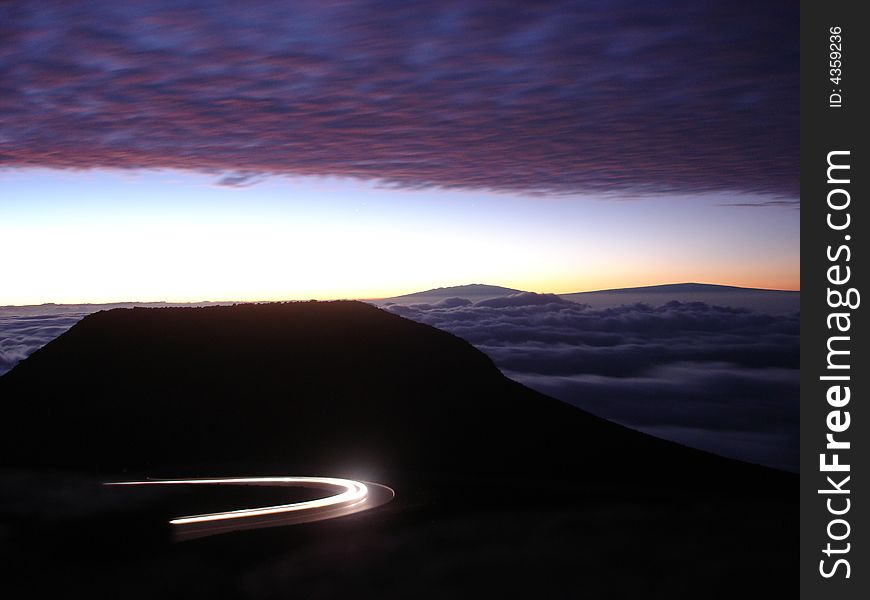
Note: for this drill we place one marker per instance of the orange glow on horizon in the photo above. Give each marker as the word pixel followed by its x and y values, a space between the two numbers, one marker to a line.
pixel 101 238
pixel 392 292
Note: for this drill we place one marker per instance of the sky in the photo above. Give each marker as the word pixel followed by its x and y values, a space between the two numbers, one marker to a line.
pixel 104 237
pixel 192 150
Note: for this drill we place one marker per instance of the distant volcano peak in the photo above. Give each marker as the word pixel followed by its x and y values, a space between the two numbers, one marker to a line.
pixel 471 289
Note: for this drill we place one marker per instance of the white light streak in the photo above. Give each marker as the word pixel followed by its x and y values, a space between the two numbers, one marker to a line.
pixel 351 497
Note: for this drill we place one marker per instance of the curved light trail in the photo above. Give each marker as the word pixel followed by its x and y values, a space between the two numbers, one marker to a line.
pixel 349 497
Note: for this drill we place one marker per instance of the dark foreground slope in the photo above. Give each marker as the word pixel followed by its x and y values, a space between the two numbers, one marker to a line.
pixel 498 487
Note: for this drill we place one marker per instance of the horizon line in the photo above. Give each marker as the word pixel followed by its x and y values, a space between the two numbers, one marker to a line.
pixel 365 299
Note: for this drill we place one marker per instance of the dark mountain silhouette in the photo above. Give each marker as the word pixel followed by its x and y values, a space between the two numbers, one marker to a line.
pixel 683 288
pixel 337 385
pixel 754 299
pixel 472 291
pixel 515 479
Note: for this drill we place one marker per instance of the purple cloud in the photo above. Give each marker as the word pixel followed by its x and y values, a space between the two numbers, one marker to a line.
pixel 558 96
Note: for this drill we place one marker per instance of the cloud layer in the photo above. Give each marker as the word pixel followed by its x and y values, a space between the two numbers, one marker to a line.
pixel 717 378
pixel 558 96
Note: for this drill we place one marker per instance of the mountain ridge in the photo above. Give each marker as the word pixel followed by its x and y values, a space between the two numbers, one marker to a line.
pixel 683 287
pixel 124 370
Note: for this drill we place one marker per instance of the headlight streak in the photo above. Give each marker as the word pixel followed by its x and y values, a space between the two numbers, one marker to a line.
pixel 352 497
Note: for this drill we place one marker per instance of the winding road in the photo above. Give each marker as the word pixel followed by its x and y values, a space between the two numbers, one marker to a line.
pixel 348 497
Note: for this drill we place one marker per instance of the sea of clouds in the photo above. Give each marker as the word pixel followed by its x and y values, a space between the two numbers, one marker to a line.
pixel 717 378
